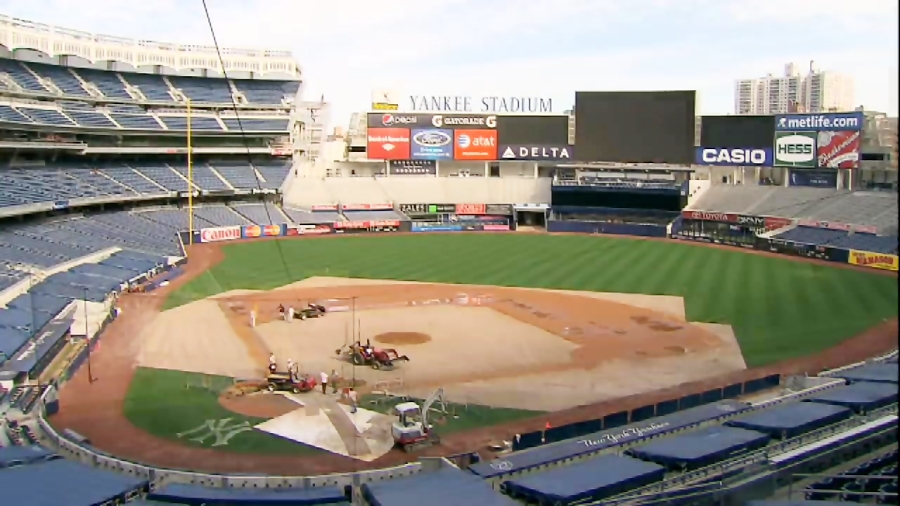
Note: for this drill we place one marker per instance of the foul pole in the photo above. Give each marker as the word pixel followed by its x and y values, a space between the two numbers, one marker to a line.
pixel 190 177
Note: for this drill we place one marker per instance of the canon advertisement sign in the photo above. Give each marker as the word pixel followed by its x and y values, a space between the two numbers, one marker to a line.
pixel 220 234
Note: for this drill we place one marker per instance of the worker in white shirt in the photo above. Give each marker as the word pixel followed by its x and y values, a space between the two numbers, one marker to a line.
pixel 324 379
pixel 352 396
pixel 253 317
pixel 273 366
pixel 290 365
pixel 290 314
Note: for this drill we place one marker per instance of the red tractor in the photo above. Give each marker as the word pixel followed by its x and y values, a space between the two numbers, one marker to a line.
pixel 365 354
pixel 296 384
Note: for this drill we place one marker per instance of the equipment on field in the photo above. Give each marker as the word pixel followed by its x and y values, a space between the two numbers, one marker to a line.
pixel 411 431
pixel 294 383
pixel 360 354
pixel 310 311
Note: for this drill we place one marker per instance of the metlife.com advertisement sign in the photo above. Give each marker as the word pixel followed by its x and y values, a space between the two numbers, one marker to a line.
pixel 813 122
pixel 737 157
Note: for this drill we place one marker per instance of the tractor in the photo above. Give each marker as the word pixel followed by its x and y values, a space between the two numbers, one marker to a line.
pixel 282 381
pixel 310 311
pixel 411 431
pixel 360 354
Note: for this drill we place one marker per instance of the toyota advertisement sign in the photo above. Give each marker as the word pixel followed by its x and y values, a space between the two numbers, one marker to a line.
pixel 432 144
pixel 388 144
pixel 739 157
pixel 535 152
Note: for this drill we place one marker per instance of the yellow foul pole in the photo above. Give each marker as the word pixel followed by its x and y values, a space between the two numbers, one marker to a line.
pixel 190 176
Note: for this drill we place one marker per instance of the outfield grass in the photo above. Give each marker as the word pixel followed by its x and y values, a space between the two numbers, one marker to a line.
pixel 779 308
pixel 158 402
pixel 460 418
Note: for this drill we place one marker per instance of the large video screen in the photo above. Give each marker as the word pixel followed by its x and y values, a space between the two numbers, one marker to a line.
pixel 536 130
pixel 635 127
pixel 754 132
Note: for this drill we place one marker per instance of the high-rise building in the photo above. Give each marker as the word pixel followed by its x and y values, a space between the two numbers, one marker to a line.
pixel 817 91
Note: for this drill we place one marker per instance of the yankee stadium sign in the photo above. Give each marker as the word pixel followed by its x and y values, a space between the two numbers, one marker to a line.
pixel 465 103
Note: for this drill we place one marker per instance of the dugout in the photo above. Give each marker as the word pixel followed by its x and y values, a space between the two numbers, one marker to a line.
pixel 198 495
pixel 445 487
pixel 876 373
pixel 792 420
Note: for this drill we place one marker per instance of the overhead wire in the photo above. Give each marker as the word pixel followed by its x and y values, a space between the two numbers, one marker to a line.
pixel 243 133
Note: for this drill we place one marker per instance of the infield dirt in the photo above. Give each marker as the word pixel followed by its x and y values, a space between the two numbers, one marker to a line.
pixel 559 362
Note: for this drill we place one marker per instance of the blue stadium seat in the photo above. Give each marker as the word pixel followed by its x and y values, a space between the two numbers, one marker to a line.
pixel 62 77
pixel 136 121
pixel 107 82
pixel 203 177
pixel 197 123
pixel 88 118
pixel 267 92
pixel 134 180
pixel 239 174
pixel 164 176
pixel 151 85
pixel 256 124
pixel 12 115
pixel 46 116
pixel 208 90
pixel 21 75
pixel 273 174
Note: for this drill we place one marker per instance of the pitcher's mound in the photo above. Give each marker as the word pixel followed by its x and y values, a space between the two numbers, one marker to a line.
pixel 406 338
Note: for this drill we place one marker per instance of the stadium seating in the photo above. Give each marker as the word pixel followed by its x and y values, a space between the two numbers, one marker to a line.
pixel 62 77
pixel 108 83
pixel 152 86
pixel 267 92
pixel 204 90
pixel 46 116
pixel 255 124
pixel 21 75
pixel 136 121
pixel 12 115
pixel 840 239
pixel 878 209
pixel 197 123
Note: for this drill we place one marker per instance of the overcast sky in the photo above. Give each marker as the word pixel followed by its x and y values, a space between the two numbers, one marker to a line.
pixel 546 48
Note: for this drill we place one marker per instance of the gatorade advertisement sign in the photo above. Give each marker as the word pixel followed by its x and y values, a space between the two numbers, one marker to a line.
pixel 796 149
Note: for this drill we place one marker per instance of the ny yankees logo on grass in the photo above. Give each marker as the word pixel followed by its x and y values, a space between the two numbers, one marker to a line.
pixel 221 430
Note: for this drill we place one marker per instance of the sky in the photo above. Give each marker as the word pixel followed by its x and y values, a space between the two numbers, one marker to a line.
pixel 537 48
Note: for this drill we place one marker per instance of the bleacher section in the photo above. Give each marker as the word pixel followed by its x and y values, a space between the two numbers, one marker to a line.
pixel 840 239
pixel 113 85
pixel 878 209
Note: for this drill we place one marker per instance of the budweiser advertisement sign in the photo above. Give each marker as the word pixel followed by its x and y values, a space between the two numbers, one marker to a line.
pixel 709 216
pixel 220 234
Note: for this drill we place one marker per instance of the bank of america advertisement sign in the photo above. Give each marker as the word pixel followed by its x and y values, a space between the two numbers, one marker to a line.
pixel 813 122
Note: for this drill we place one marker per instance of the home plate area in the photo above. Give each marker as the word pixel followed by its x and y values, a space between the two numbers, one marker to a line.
pixel 326 424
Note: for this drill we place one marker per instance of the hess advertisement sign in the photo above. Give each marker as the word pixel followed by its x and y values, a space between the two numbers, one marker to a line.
pixel 475 144
pixel 795 149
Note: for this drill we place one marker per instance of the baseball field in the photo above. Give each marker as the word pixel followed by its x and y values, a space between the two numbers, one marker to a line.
pixel 779 308
pixel 512 328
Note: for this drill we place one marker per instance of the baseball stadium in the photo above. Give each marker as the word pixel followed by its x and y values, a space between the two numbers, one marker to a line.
pixel 207 298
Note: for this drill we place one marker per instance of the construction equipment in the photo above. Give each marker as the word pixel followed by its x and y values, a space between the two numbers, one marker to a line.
pixel 412 431
pixel 281 381
pixel 310 311
pixel 365 354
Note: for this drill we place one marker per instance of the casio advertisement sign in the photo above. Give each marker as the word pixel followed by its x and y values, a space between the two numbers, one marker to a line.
pixel 734 156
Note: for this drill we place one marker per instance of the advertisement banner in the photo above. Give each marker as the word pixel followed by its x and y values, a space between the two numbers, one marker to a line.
pixel 534 152
pixel 355 227
pixel 450 121
pixel 496 228
pixel 874 260
pixel 838 150
pixel 742 157
pixel 324 208
pixel 311 229
pixel 220 234
pixel 385 100
pixel 815 122
pixel 813 178
pixel 708 216
pixel 367 207
pixel 773 223
pixel 751 221
pixel 413 167
pixel 795 149
pixel 435 227
pixel 254 231
pixel 475 145
pixel 501 209
pixel 432 144
pixel 471 209
pixel 387 144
